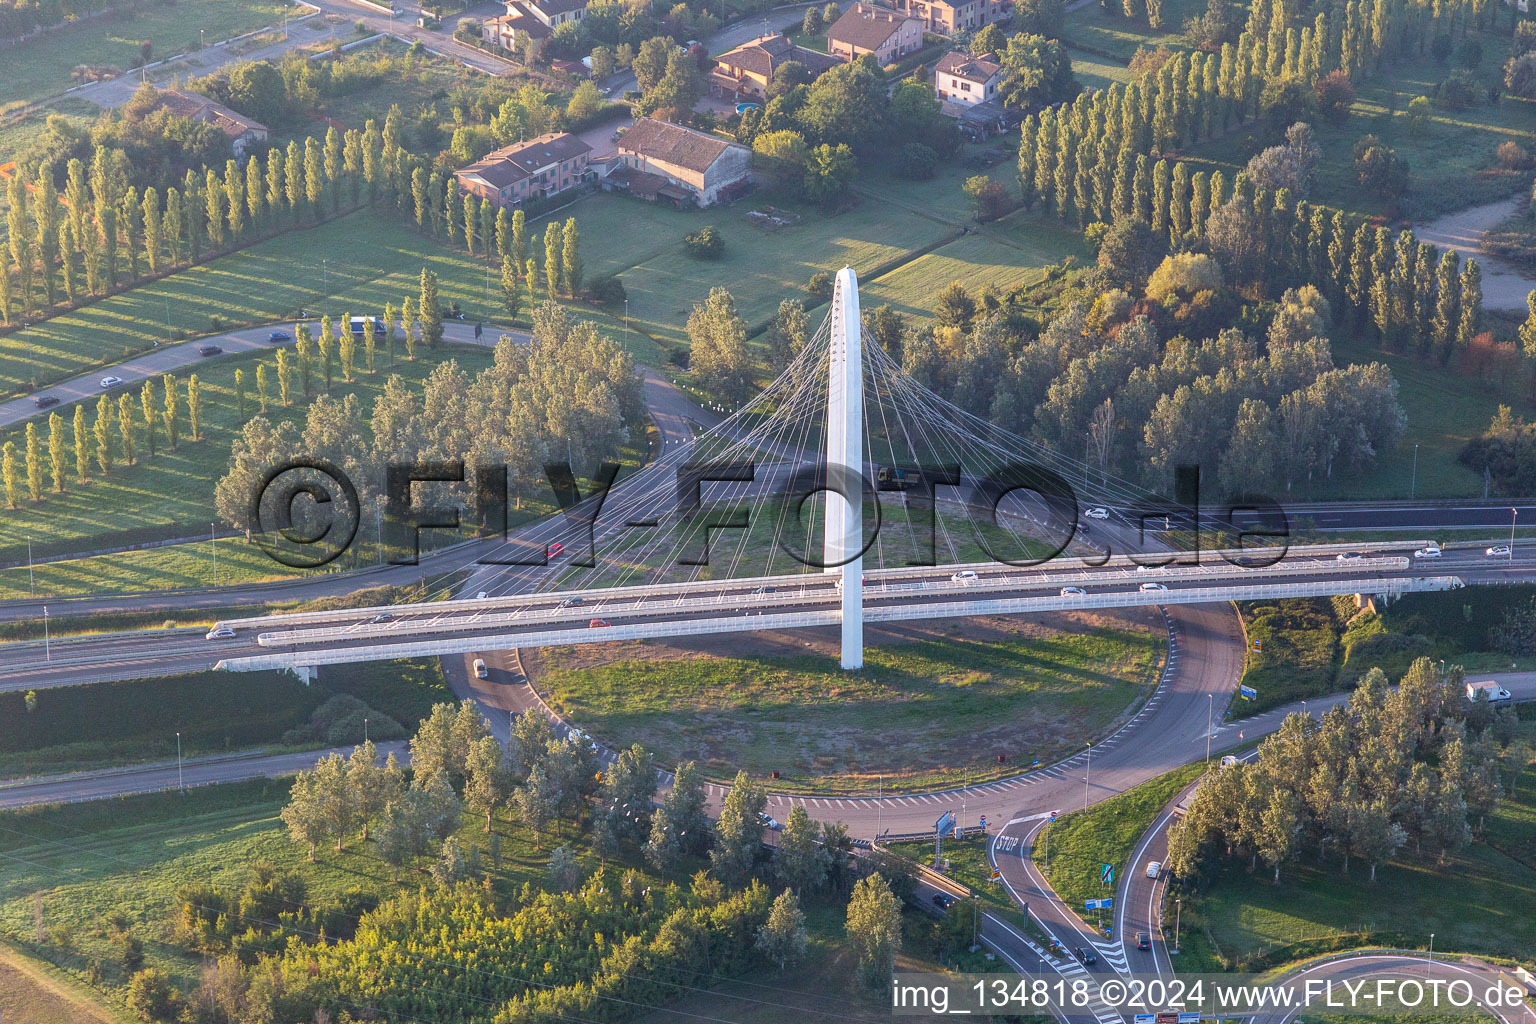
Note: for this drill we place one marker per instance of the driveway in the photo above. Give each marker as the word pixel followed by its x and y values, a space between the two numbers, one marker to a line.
pixel 1505 286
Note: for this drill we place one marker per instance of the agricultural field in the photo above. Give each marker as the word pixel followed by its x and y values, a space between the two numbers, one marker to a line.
pixel 932 707
pixel 40 67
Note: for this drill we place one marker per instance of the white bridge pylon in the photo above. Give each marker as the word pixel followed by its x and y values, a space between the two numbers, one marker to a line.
pixel 843 539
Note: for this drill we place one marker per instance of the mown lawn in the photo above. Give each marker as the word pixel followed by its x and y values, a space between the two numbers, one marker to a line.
pixel 935 710
pixel 40 66
pixel 1096 72
pixel 1106 833
pixel 1015 250
pixel 1095 28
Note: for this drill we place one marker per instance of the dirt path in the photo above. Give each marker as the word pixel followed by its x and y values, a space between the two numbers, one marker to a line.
pixel 30 995
pixel 1505 285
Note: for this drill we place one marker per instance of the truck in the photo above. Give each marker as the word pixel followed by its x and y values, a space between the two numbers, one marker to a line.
pixel 1495 694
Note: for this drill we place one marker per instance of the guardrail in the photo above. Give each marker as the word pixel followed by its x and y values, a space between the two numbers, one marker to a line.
pixel 294 658
pixel 447 617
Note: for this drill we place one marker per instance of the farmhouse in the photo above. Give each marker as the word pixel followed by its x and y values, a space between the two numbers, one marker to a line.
pixel 242 131
pixel 865 28
pixel 946 17
pixel 537 168
pixel 960 78
pixel 748 70
pixel 699 169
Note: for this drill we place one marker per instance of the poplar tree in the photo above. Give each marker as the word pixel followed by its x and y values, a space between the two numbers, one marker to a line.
pixel 83 451
pixel 573 271
pixel 240 396
pixel 103 434
pixel 553 271
pixel 147 407
pixel 262 391
pixel 194 407
pixel 34 463
pixel 1471 320
pixel 57 447
pixel 429 310
pixel 171 409
pixel 519 242
pixel 125 427
pixel 348 347
pixel 11 475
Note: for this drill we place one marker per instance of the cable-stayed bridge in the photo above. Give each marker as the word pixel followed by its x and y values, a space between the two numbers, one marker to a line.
pixel 844 493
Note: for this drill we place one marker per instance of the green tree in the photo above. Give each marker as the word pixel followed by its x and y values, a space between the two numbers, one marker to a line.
pixel 799 859
pixel 786 334
pixel 347 347
pixel 304 350
pixel 327 347
pixel 11 475
pixel 489 781
pixel 429 310
pixel 829 172
pixel 57 447
pixel 240 395
pixel 511 296
pixel 125 427
pixel 1471 299
pixel 102 434
pixel 171 409
pixel 874 928
pixel 82 444
pixel 782 938
pixel 408 324
pixel 147 407
pixel 680 826
pixel 719 358
pixel 194 408
pixel 34 463
pixel 571 255
pixel 554 260
pixel 738 831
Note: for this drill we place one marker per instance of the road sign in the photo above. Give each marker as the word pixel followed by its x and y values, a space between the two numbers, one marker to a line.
pixel 1167 1018
pixel 1106 873
pixel 1143 1018
pixel 1247 693
pixel 1107 903
pixel 946 823
pixel 1258 645
pixel 1091 904
pixel 983 823
pixel 1189 1018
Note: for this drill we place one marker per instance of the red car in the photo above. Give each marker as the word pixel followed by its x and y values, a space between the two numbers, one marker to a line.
pixel 555 549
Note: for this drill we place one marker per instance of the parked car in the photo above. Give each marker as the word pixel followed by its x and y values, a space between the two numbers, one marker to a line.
pixel 110 382
pixel 965 576
pixel 943 900
pixel 279 336
pixel 1086 956
pixel 1154 868
pixel 221 633
pixel 1497 551
pixel 44 401
pixel 1143 940
pixel 1073 592
pixel 210 350
pixel 1149 587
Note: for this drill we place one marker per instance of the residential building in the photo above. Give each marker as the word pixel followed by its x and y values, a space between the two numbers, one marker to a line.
pixel 243 132
pixel 552 12
pixel 699 169
pixel 747 71
pixel 534 169
pixel 508 30
pixel 865 28
pixel 960 78
pixel 946 17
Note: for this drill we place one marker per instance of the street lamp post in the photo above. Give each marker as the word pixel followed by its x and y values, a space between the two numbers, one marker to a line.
pixel 1514 514
pixel 213 546
pixel 879 804
pixel 1087 770
pixel 180 782
pixel 1178 912
pixel 365 730
pixel 31 580
pixel 47 646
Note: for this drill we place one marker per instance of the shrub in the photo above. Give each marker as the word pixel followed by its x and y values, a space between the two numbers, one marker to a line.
pixel 1512 155
pixel 1335 96
pixel 705 243
pixel 607 291
pixel 916 161
pixel 151 996
pixel 820 285
pixel 1457 91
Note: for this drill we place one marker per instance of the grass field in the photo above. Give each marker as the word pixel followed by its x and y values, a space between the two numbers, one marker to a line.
pixel 1106 833
pixel 1015 250
pixel 1096 72
pixel 40 66
pixel 33 992
pixel 137 721
pixel 1483 901
pixel 1109 31
pixel 1451 159
pixel 933 710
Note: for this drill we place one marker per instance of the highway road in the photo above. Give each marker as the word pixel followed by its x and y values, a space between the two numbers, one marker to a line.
pixel 1473 976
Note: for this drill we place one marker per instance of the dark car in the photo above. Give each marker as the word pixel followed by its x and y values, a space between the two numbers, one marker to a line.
pixel 277 336
pixel 1086 956
pixel 572 602
pixel 44 401
pixel 210 350
pixel 382 617
pixel 1143 940
pixel 943 900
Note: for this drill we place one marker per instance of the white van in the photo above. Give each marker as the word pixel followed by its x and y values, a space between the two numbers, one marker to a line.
pixel 481 672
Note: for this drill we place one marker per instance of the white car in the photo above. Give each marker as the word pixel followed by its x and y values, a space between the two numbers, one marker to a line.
pixel 1073 592
pixel 1149 568
pixel 1148 587
pixel 111 382
pixel 1097 512
pixel 1228 760
pixel 1350 556
pixel 1497 551
pixel 1154 868
pixel 220 633
pixel 480 596
pixel 767 821
pixel 964 576
pixel 1427 553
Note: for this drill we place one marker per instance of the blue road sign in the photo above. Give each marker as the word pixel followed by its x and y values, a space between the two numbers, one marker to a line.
pixel 1247 693
pixel 946 823
pixel 1107 903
